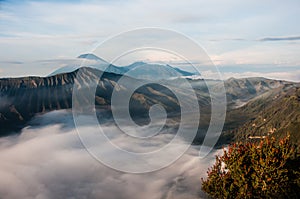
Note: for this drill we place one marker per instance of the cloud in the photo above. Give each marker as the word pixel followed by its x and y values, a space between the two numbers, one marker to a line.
pixel 11 62
pixel 291 38
pixel 46 66
pixel 48 161
pixel 288 75
pixel 262 53
pixel 33 30
pixel 229 39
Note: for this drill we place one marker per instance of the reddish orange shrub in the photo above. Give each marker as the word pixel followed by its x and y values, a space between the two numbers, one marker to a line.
pixel 269 169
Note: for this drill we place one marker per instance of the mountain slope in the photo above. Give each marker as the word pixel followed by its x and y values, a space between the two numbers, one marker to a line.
pixel 91 57
pixel 144 70
pixel 92 61
pixel 275 113
pixel 256 106
pixel 140 70
pixel 241 91
pixel 22 98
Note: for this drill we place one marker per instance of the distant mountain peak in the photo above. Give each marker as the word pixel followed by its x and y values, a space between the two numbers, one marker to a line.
pixel 91 57
pixel 138 62
pixel 135 64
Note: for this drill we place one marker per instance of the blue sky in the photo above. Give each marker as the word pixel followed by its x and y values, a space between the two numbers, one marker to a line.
pixel 243 38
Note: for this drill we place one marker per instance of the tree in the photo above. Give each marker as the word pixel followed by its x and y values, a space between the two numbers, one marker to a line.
pixel 270 169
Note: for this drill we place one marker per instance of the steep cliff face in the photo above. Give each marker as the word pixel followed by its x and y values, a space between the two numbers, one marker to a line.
pixel 22 98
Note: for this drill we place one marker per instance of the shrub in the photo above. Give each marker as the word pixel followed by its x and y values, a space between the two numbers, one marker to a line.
pixel 270 169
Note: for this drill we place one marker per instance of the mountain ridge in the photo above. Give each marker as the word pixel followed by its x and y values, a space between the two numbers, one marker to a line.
pixel 248 99
pixel 28 96
pixel 137 69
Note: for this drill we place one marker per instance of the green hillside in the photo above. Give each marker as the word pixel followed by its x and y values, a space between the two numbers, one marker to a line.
pixel 275 113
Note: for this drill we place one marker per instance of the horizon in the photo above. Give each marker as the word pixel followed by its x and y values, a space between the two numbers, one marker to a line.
pixel 208 77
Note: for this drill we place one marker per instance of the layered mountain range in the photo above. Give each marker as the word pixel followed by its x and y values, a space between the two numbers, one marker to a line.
pixel 22 98
pixel 256 106
pixel 139 70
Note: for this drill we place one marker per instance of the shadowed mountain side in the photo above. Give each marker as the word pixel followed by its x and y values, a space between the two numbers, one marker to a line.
pixel 250 100
pixel 22 98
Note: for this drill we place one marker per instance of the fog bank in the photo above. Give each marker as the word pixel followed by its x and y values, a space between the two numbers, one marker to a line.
pixel 48 161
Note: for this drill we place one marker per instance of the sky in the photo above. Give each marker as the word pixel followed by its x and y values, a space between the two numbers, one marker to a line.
pixel 242 38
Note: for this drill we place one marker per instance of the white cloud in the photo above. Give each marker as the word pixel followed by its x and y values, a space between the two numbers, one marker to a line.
pixel 289 75
pixel 284 54
pixel 35 30
pixel 48 161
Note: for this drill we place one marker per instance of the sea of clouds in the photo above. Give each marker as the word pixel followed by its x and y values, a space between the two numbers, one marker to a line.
pixel 47 160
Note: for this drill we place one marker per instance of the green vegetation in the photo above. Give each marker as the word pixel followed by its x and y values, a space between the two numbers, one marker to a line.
pixel 273 114
pixel 270 169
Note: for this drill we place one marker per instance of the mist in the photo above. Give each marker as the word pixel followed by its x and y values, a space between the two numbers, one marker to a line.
pixel 47 160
